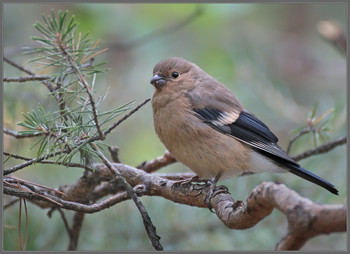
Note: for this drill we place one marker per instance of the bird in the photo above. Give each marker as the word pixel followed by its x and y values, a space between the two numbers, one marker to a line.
pixel 205 127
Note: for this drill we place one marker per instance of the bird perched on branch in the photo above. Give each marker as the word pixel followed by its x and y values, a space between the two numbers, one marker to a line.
pixel 204 126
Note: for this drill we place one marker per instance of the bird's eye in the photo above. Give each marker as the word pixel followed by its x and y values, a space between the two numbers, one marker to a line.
pixel 175 74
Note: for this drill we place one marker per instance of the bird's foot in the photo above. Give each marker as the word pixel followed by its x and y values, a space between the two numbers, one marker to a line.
pixel 213 191
pixel 195 181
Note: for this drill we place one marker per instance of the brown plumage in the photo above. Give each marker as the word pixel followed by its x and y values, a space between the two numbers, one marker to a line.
pixel 204 126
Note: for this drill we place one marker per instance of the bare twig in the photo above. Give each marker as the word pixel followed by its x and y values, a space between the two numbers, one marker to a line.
pixel 45 82
pixel 11 203
pixel 298 135
pixel 18 66
pixel 21 181
pixel 65 222
pixel 321 149
pixel 26 79
pixel 114 150
pixel 150 228
pixel 30 162
pixel 17 135
pixel 125 117
pixel 168 29
pixel 71 164
pixel 75 231
pixel 161 161
pixel 69 205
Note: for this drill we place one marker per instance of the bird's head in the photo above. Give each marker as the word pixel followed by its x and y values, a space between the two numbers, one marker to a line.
pixel 172 71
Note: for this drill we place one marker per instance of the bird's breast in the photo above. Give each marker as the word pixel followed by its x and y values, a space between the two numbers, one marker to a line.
pixel 194 143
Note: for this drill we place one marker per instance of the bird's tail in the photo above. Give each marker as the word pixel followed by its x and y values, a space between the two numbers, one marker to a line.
pixel 303 173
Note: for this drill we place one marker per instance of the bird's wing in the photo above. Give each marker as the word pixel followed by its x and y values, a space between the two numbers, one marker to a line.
pixel 246 128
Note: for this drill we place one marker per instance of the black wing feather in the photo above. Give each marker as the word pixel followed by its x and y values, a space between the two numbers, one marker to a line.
pixel 248 129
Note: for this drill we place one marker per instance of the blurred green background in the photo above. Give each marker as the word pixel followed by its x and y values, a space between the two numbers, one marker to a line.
pixel 269 55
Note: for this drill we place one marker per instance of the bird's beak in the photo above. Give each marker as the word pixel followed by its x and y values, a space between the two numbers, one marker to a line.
pixel 158 81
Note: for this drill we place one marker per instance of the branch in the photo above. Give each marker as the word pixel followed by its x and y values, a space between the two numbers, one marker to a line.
pixel 298 135
pixel 25 79
pixel 70 164
pixel 125 117
pixel 75 231
pixel 114 150
pixel 86 85
pixel 161 161
pixel 30 162
pixel 18 66
pixel 46 83
pixel 320 149
pixel 17 135
pixel 11 203
pixel 171 28
pixel 322 219
pixel 150 228
pixel 90 140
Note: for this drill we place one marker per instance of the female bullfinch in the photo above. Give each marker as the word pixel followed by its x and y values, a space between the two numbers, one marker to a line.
pixel 204 126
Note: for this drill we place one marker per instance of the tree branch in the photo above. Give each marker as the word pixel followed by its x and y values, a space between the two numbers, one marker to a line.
pixel 17 135
pixel 321 149
pixel 45 82
pixel 234 214
pixel 75 231
pixel 150 228
pixel 9 61
pixel 26 79
pixel 170 28
pixel 160 162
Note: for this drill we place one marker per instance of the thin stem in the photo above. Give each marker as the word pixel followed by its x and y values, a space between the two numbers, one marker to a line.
pixel 125 117
pixel 25 79
pixel 150 228
pixel 298 135
pixel 30 162
pixel 18 66
pixel 321 149
pixel 71 164
pixel 87 87
pixel 17 135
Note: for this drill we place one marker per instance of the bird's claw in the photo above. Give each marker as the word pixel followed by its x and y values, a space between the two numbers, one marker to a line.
pixel 195 181
pixel 213 191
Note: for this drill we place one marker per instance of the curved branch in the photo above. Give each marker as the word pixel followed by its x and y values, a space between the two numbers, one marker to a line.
pixel 306 219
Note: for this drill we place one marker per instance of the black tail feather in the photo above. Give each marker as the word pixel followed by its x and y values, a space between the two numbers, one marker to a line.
pixel 303 173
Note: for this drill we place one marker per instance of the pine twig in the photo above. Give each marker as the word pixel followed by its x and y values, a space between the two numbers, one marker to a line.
pixel 18 66
pixel 45 82
pixel 298 135
pixel 70 164
pixel 125 117
pixel 321 149
pixel 30 162
pixel 17 135
pixel 170 28
pixel 25 79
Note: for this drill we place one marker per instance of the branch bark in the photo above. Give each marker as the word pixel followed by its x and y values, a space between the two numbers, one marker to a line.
pixel 306 219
